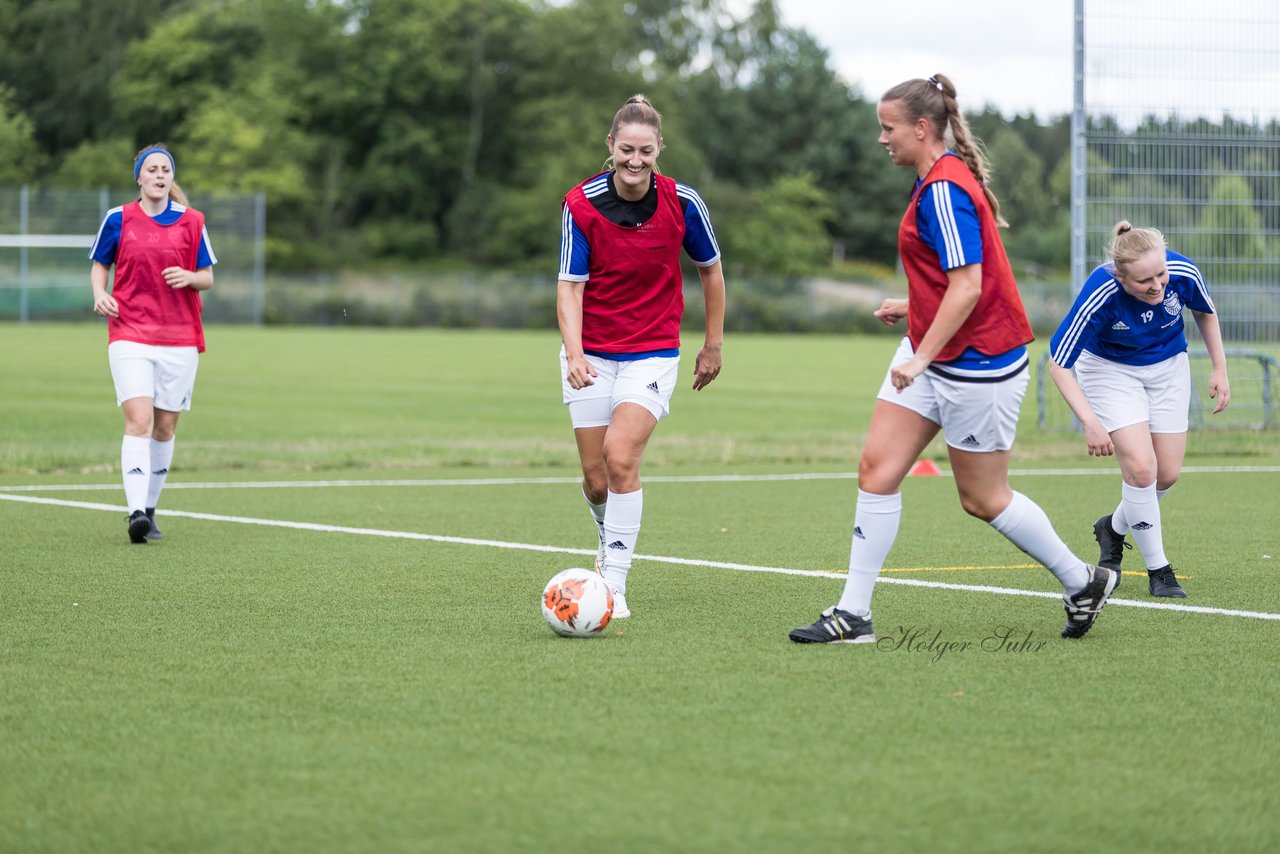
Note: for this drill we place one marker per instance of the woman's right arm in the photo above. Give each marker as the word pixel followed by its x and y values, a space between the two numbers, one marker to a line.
pixel 569 313
pixel 1097 437
pixel 1211 334
pixel 103 303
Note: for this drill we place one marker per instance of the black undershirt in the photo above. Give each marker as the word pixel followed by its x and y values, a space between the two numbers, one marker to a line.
pixel 630 214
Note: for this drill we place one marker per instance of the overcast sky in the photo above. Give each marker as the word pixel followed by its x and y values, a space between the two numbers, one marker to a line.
pixel 1014 54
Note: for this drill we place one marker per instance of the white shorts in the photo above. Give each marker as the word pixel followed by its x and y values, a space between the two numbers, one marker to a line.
pixel 974 416
pixel 1121 395
pixel 167 375
pixel 647 382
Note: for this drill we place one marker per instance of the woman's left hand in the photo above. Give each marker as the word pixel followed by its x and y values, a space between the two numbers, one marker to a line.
pixel 176 277
pixel 706 367
pixel 1219 390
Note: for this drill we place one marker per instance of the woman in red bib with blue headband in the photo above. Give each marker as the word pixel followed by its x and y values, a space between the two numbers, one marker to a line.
pixel 162 258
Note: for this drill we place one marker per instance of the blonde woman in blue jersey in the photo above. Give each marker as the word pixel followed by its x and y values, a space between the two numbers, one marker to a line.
pixel 1131 386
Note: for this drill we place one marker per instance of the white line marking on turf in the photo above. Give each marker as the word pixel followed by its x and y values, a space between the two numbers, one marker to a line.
pixel 485 481
pixel 679 561
pixel 535 481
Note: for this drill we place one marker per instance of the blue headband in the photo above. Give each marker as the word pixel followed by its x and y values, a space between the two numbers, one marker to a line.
pixel 137 166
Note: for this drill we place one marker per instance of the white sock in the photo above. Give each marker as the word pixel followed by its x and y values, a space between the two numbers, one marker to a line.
pixel 597 513
pixel 875 527
pixel 161 459
pixel 1120 519
pixel 135 465
pixel 1142 509
pixel 621 530
pixel 1119 523
pixel 1026 526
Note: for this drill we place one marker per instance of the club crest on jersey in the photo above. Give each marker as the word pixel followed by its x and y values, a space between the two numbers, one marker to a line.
pixel 1172 305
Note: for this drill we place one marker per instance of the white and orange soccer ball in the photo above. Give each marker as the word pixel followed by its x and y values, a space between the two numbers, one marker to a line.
pixel 577 603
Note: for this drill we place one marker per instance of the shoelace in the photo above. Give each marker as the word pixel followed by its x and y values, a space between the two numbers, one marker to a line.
pixel 1117 549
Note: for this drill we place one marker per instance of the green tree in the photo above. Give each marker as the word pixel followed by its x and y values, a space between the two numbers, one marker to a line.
pixel 248 94
pixel 1230 227
pixel 775 107
pixel 20 156
pixel 437 102
pixel 780 229
pixel 103 163
pixel 1018 180
pixel 1059 184
pixel 61 57
pixel 555 93
pixel 1262 166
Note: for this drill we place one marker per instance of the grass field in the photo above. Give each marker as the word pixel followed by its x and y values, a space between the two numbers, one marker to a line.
pixel 337 646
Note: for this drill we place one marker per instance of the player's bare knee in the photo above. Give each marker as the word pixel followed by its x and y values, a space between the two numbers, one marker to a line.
pixel 979 507
pixel 595 484
pixel 623 472
pixel 139 426
pixel 876 477
pixel 1140 477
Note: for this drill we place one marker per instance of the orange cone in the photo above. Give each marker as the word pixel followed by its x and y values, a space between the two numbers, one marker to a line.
pixel 925 468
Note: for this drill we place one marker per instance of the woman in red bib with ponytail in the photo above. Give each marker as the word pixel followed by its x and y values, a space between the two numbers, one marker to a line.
pixel 619 300
pixel 961 369
pixel 162 258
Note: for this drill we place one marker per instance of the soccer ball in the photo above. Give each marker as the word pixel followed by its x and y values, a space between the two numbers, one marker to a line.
pixel 577 603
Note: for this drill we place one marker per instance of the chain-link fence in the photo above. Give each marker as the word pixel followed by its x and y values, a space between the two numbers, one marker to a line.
pixel 45 235
pixel 1177 126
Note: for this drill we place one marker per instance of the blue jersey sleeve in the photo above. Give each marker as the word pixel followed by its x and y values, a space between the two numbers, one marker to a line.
pixel 575 253
pixel 948 223
pixel 699 238
pixel 1089 314
pixel 204 254
pixel 107 242
pixel 1185 277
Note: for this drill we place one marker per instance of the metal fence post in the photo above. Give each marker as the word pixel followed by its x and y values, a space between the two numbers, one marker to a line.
pixel 1079 158
pixel 259 257
pixel 24 227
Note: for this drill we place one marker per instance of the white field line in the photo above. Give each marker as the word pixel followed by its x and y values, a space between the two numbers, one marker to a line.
pixel 679 561
pixel 536 481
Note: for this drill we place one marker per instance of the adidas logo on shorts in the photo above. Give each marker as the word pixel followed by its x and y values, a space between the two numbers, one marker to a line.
pixel 653 387
pixel 970 441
